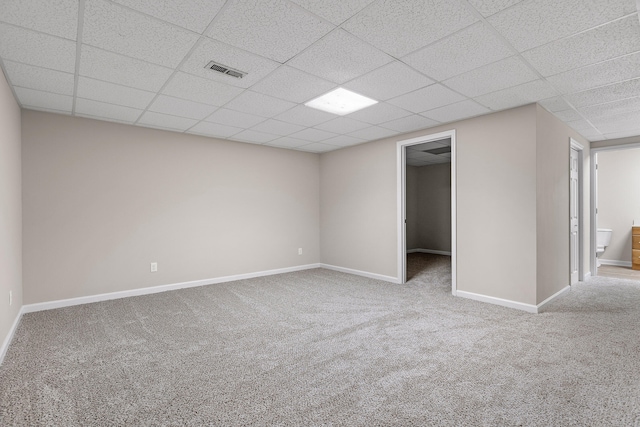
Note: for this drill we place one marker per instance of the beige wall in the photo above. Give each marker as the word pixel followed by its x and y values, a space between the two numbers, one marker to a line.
pixel 553 147
pixel 358 208
pixel 512 205
pixel 10 209
pixel 496 222
pixel 496 204
pixel 618 199
pixel 103 200
pixel 429 222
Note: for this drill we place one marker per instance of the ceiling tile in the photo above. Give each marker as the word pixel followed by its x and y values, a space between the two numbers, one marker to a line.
pixel 259 104
pixel 334 11
pixel 517 95
pixel 165 121
pixel 38 78
pixel 592 135
pixel 59 17
pixel 399 28
pixel 614 92
pixel 312 135
pixel 601 74
pixel 317 148
pixel 277 127
pixel 605 42
pixel 197 89
pixel 339 57
pixel 581 125
pixel 101 110
pixel 208 50
pixel 427 98
pixel 379 113
pixel 342 125
pixel 271 28
pixel 533 23
pixel 463 51
pixel 254 137
pixel 192 14
pixel 111 67
pixel 293 85
pixel 113 93
pixel 493 77
pixel 554 104
pixel 181 108
pixel 288 142
pixel 424 157
pixel 372 133
pixel 343 141
pixel 389 81
pixel 489 7
pixel 458 111
pixel 568 115
pixel 214 129
pixel 305 116
pixel 51 101
pixel 28 47
pixel 234 118
pixel 419 150
pixel 615 108
pixel 410 123
pixel 120 30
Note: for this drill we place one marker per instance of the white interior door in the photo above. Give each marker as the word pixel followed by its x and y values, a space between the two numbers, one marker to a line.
pixel 574 215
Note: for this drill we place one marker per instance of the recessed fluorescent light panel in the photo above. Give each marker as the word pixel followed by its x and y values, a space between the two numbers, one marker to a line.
pixel 341 102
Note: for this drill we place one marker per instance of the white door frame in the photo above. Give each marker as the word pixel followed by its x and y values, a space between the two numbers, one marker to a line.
pixel 401 203
pixel 575 145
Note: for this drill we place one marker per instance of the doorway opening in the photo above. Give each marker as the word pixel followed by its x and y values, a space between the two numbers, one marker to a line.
pixel 615 229
pixel 434 153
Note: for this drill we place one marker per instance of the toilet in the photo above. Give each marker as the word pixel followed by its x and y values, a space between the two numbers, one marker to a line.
pixel 603 238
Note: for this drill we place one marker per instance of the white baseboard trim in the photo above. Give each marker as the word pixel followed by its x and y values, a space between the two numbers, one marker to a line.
pixel 552 297
pixel 529 308
pixel 360 273
pixel 9 337
pixel 428 251
pixel 50 305
pixel 615 262
pixel 587 275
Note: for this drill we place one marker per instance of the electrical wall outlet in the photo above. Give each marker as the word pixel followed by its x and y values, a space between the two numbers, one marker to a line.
pixel 10 297
pixel 299 251
pixel 154 267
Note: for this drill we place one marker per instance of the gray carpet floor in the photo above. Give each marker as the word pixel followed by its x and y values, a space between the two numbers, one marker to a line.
pixel 320 347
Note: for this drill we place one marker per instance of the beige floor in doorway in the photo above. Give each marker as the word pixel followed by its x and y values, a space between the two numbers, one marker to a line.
pixel 617 272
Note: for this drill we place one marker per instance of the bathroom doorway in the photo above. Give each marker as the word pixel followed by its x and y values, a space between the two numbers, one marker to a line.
pixel 426 213
pixel 615 210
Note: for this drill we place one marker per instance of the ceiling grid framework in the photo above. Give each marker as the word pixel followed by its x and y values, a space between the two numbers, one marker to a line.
pixel 427 62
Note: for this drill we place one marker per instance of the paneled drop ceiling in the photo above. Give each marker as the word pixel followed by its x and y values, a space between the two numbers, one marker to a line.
pixel 428 62
pixel 429 153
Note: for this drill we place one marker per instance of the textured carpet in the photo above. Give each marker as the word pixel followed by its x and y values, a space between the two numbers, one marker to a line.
pixel 325 348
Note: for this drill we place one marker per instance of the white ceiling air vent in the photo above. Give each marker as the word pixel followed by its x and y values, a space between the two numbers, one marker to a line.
pixel 219 68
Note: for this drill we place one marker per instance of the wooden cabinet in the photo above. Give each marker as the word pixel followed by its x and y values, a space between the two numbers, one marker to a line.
pixel 635 248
